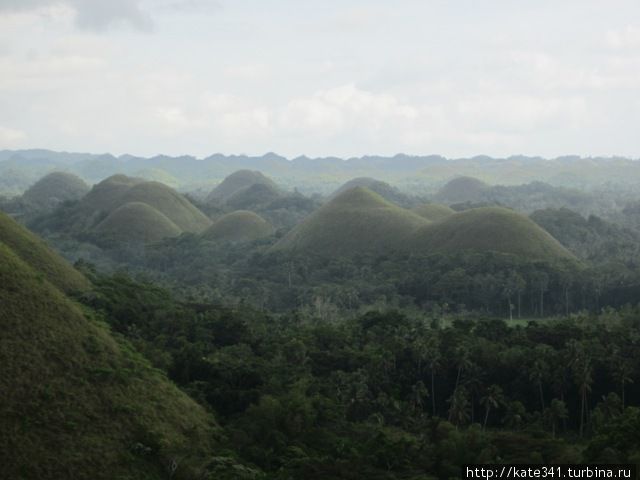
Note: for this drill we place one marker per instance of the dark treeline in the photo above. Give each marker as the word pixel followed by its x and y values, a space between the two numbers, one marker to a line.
pixel 390 395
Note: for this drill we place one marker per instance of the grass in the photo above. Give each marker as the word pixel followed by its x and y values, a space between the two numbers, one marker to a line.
pixel 239 226
pixel 433 211
pixel 489 229
pixel 54 188
pixel 76 402
pixel 137 222
pixel 34 252
pixel 357 221
pixel 237 181
pixel 254 195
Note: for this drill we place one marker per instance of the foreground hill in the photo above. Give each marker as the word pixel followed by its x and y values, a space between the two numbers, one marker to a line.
pixel 239 226
pixel 35 253
pixel 55 188
pixel 462 189
pixel 433 211
pixel 238 181
pixel 76 403
pixel 489 229
pixel 137 222
pixel 356 221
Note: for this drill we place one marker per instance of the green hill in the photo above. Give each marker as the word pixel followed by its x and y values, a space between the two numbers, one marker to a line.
pixel 55 188
pixel 34 252
pixel 356 221
pixel 462 189
pixel 383 189
pixel 255 195
pixel 77 403
pixel 137 222
pixel 237 181
pixel 105 196
pixel 239 226
pixel 433 211
pixel 170 203
pixel 488 229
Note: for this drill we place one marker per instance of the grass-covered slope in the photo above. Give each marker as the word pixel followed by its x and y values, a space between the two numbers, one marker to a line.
pixel 383 189
pixel 55 188
pixel 255 195
pixel 357 221
pixel 106 195
pixel 462 189
pixel 488 229
pixel 239 226
pixel 433 211
pixel 236 182
pixel 34 252
pixel 77 403
pixel 170 203
pixel 137 222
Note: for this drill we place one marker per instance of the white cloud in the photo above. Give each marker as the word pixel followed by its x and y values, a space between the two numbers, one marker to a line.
pixel 12 138
pixel 628 37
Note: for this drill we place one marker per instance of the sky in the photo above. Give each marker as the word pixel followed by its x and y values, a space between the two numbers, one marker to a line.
pixel 321 77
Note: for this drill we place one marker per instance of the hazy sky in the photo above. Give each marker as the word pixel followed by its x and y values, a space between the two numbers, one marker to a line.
pixel 320 78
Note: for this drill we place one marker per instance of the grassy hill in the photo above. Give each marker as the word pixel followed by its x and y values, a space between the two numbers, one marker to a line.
pixel 488 229
pixel 462 189
pixel 433 211
pixel 170 203
pixel 55 188
pixel 137 222
pixel 35 253
pixel 356 221
pixel 383 189
pixel 105 196
pixel 237 181
pixel 239 226
pixel 78 403
pixel 256 195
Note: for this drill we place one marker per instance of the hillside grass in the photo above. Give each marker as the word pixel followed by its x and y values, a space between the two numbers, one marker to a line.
pixel 78 403
pixel 237 181
pixel 238 226
pixel 55 188
pixel 489 229
pixel 433 211
pixel 358 221
pixel 137 222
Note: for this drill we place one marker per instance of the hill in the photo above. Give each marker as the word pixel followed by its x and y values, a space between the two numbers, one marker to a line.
pixel 239 226
pixel 489 229
pixel 136 222
pixel 256 195
pixel 383 189
pixel 106 195
pixel 356 221
pixel 76 402
pixel 170 203
pixel 35 253
pixel 462 189
pixel 433 211
pixel 55 188
pixel 237 181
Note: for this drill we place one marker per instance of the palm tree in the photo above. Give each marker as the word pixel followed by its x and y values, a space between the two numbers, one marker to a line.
pixel 584 380
pixel 418 393
pixel 622 373
pixel 556 412
pixel 459 409
pixel 492 399
pixel 433 358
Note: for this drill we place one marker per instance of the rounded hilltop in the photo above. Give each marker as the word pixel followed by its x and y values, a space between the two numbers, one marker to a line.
pixel 239 226
pixel 462 189
pixel 358 221
pixel 137 222
pixel 493 229
pixel 383 189
pixel 55 188
pixel 255 195
pixel 433 211
pixel 238 181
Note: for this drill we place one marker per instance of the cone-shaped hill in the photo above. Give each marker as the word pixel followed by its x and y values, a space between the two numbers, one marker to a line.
pixel 488 229
pixel 137 222
pixel 433 211
pixel 383 189
pixel 462 189
pixel 55 188
pixel 77 403
pixel 35 253
pixel 238 181
pixel 105 196
pixel 239 226
pixel 256 195
pixel 170 203
pixel 356 221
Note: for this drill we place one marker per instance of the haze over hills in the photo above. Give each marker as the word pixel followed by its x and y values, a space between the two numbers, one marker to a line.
pixel 77 403
pixel 355 222
pixel 55 188
pixel 462 189
pixel 237 182
pixel 383 189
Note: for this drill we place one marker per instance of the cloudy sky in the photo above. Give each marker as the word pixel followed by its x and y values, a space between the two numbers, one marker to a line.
pixel 321 77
